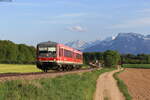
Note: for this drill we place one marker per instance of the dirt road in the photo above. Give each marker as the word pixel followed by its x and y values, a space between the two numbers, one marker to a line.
pixel 107 89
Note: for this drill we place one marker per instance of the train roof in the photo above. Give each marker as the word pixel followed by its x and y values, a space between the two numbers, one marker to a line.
pixel 49 43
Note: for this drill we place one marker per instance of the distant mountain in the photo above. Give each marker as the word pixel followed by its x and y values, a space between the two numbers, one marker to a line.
pixel 124 43
pixel 77 44
pixel 81 45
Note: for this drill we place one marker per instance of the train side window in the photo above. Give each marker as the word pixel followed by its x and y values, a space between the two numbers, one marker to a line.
pixel 68 53
pixel 78 56
pixel 60 52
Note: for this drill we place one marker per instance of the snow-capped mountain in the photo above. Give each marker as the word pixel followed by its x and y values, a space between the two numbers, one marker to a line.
pixel 81 45
pixel 124 43
pixel 76 44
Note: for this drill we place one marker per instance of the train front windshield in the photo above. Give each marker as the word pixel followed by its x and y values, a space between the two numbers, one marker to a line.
pixel 47 51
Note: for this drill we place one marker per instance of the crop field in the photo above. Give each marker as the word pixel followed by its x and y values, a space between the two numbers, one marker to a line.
pixel 13 68
pixel 137 81
pixel 146 66
pixel 68 87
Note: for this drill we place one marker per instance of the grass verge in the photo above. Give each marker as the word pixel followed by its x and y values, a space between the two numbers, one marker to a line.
pixel 146 66
pixel 122 87
pixel 14 68
pixel 68 87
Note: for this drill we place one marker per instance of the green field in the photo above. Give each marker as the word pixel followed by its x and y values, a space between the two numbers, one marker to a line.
pixel 146 66
pixel 16 68
pixel 68 87
pixel 13 68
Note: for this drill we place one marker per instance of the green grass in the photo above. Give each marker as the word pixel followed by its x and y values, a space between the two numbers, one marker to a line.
pixel 18 68
pixel 13 68
pixel 68 87
pixel 106 98
pixel 122 87
pixel 85 66
pixel 146 66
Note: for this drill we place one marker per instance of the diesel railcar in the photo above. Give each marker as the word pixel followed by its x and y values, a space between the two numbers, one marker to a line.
pixel 55 56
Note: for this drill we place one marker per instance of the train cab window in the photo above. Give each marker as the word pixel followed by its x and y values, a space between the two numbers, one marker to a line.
pixel 47 51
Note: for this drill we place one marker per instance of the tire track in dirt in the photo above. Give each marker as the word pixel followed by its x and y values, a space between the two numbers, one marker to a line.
pixel 106 88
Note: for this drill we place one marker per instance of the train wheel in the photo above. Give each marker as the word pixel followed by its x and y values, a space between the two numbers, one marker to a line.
pixel 78 67
pixel 71 67
pixel 60 68
pixel 64 68
pixel 67 67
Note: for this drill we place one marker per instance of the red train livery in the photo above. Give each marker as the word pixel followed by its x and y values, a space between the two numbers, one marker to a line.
pixel 55 56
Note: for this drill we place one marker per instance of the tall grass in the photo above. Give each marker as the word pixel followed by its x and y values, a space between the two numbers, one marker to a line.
pixel 146 66
pixel 68 87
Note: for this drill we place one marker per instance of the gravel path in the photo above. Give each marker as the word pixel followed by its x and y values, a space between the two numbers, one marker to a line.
pixel 106 88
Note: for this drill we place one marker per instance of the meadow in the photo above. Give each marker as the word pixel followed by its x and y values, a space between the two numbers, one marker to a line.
pixel 68 87
pixel 146 66
pixel 14 68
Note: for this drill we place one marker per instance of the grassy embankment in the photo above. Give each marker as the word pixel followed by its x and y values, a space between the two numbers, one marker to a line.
pixel 122 86
pixel 146 66
pixel 68 87
pixel 13 68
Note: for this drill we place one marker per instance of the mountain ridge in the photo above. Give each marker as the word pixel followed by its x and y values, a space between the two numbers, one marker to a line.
pixel 124 43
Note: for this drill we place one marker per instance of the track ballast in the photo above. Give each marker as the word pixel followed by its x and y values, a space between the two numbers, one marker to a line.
pixel 38 75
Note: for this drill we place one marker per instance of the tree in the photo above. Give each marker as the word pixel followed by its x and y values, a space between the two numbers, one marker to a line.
pixel 111 58
pixel 16 53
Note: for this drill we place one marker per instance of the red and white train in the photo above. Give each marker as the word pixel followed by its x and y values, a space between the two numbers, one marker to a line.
pixel 55 56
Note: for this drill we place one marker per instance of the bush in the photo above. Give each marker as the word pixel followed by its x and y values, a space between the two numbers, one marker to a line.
pixel 111 58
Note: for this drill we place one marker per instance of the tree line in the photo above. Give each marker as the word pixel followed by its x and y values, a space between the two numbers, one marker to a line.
pixel 110 58
pixel 135 59
pixel 11 53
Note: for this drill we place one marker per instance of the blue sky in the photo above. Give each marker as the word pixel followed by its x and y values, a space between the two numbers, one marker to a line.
pixel 33 21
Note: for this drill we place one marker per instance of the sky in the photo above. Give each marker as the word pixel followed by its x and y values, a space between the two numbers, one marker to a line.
pixel 34 21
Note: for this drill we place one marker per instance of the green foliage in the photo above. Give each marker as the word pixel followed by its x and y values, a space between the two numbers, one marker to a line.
pixel 146 66
pixel 111 58
pixel 135 59
pixel 125 58
pixel 122 87
pixel 16 53
pixel 92 56
pixel 68 87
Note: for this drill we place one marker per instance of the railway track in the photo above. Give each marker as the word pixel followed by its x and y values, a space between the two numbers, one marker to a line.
pixel 38 75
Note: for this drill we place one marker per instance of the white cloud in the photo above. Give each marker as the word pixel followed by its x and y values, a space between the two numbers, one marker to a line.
pixel 136 23
pixel 77 29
